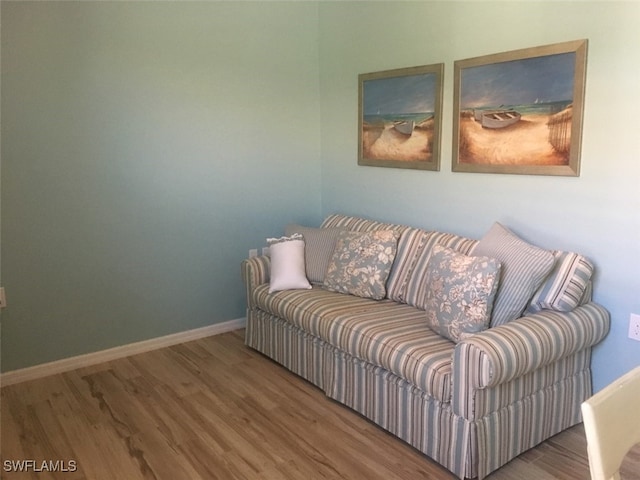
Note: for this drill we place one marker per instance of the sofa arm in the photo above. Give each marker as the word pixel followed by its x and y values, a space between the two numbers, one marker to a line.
pixel 255 271
pixel 501 354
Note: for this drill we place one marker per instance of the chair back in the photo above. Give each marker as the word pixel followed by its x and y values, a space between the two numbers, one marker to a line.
pixel 612 425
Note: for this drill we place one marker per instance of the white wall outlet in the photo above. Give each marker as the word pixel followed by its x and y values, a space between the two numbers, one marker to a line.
pixel 634 326
pixel 253 252
pixel 265 251
pixel 3 298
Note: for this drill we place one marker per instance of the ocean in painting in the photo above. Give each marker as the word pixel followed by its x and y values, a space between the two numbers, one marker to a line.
pixel 536 108
pixel 381 119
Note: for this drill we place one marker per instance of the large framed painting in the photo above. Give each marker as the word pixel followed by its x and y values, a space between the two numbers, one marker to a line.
pixel 520 112
pixel 400 116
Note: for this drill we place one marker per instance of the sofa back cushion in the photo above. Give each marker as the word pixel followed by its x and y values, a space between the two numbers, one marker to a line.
pixel 570 279
pixel 358 224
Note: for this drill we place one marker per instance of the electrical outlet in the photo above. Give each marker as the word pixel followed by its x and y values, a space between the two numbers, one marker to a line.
pixel 634 327
pixel 253 252
pixel 265 251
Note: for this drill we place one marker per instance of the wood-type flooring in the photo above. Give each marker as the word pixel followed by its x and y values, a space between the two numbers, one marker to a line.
pixel 215 409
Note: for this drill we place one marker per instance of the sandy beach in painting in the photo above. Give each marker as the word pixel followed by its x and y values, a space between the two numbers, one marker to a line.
pixel 523 143
pixel 383 142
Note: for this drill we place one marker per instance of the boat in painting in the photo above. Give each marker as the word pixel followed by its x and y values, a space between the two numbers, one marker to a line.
pixel 497 118
pixel 405 127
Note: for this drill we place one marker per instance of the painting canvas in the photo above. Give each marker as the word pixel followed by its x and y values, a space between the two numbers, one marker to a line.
pixel 521 111
pixel 399 118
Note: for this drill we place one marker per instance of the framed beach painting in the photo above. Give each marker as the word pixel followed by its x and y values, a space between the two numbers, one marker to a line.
pixel 520 112
pixel 400 114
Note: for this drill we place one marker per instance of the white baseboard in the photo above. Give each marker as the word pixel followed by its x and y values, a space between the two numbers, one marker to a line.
pixel 94 358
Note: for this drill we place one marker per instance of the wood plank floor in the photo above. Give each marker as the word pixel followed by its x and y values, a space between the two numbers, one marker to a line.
pixel 214 409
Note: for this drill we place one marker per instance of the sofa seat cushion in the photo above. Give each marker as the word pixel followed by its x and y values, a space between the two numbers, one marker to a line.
pixel 384 333
pixel 311 310
pixel 396 337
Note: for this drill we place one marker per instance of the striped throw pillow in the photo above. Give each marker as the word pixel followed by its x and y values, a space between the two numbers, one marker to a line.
pixel 319 246
pixel 358 224
pixel 566 285
pixel 524 268
pixel 410 246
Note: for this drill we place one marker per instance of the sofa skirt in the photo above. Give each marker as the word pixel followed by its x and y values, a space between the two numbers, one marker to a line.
pixel 506 433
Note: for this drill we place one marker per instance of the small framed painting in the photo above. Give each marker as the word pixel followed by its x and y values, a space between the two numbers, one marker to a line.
pixel 400 116
pixel 520 112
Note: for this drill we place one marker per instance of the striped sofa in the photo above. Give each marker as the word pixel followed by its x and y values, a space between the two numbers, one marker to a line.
pixel 472 406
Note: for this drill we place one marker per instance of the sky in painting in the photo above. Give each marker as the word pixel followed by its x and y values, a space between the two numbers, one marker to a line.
pixel 406 94
pixel 519 82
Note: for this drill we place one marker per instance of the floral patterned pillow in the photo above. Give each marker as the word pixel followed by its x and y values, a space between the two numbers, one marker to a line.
pixel 361 263
pixel 460 292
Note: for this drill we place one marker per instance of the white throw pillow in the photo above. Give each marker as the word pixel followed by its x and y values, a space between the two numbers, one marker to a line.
pixel 287 263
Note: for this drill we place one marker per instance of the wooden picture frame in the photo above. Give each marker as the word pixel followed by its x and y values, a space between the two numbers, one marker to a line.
pixel 520 112
pixel 400 117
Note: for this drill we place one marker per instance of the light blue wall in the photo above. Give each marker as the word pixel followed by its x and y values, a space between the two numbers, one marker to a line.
pixel 146 146
pixel 596 214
